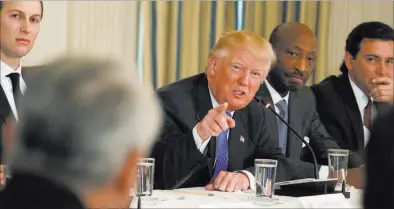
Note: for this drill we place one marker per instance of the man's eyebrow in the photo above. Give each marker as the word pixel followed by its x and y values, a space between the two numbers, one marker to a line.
pixel 19 11
pixel 300 48
pixel 371 55
pixel 236 62
pixel 15 10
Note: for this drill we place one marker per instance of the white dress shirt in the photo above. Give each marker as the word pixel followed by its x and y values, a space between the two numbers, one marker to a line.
pixel 6 84
pixel 362 101
pixel 201 146
pixel 276 97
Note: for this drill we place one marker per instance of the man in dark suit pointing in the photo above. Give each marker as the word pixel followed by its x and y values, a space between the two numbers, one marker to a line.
pixel 214 129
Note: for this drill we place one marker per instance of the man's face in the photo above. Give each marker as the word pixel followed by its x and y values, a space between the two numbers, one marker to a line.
pixel 375 59
pixel 20 24
pixel 296 61
pixel 236 78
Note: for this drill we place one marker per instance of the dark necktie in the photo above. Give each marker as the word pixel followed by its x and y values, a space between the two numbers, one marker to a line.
pixel 368 115
pixel 222 153
pixel 282 128
pixel 16 89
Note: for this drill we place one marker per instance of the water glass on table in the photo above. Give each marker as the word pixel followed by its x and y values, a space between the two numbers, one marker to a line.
pixel 337 164
pixel 265 173
pixel 145 180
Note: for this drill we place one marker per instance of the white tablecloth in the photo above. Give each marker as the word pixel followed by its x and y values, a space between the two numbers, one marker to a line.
pixel 170 199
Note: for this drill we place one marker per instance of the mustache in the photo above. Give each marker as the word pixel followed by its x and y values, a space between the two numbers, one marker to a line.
pixel 296 74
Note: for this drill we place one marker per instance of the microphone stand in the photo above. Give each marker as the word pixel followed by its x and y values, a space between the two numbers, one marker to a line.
pixel 316 172
pixel 139 202
pixel 306 188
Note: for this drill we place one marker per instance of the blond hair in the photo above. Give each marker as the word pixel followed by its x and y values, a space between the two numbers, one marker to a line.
pixel 242 39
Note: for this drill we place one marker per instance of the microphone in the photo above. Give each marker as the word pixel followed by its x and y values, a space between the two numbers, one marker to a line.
pixel 304 187
pixel 194 170
pixel 316 172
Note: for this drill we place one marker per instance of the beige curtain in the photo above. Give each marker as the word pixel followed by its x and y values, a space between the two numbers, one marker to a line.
pixel 263 16
pixel 344 16
pixel 177 35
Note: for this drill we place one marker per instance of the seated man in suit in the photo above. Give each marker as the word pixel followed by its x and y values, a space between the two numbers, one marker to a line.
pixel 214 129
pixel 83 125
pixel 348 103
pixel 20 24
pixel 295 45
pixel 379 189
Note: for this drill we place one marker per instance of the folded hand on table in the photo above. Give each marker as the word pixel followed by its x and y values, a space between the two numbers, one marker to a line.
pixel 354 177
pixel 2 176
pixel 229 182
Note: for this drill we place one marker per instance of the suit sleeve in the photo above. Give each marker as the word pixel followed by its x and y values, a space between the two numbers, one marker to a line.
pixel 175 153
pixel 331 124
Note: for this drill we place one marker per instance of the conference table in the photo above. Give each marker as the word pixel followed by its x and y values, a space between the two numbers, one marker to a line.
pixel 200 198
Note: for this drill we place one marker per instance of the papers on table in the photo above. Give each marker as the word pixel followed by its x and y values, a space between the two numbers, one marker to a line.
pixel 229 205
pixel 324 201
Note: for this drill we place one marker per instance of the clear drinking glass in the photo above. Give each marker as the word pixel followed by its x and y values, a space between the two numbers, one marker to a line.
pixel 145 179
pixel 265 173
pixel 145 176
pixel 337 164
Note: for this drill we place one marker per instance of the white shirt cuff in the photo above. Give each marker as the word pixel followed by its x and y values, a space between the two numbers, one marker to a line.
pixel 323 172
pixel 199 143
pixel 252 184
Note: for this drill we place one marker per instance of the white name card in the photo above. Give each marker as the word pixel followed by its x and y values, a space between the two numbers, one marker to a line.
pixel 324 201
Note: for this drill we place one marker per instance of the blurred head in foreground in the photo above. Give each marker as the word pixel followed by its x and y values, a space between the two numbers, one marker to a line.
pixel 84 123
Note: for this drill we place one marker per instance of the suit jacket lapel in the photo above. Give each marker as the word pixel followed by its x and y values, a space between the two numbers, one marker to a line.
pixel 344 89
pixel 264 95
pixel 202 102
pixel 5 109
pixel 294 145
pixel 237 142
pixel 202 99
pixel 23 72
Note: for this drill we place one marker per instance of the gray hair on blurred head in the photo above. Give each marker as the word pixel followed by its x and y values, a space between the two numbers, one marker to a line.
pixel 80 118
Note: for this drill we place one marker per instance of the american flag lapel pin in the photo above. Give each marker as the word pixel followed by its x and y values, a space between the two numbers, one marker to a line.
pixel 242 139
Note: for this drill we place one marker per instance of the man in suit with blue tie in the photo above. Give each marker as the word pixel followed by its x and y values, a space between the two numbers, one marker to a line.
pixel 296 47
pixel 20 25
pixel 214 129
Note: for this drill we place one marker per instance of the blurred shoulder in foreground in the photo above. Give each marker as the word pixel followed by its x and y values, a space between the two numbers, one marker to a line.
pixel 379 191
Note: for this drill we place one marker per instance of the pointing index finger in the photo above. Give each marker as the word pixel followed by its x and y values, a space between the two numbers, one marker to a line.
pixel 221 109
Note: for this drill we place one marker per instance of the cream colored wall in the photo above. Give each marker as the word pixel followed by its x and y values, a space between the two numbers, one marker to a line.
pixel 345 15
pixel 52 39
pixel 107 28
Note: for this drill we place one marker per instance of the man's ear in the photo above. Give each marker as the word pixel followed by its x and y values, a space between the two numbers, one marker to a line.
pixel 349 61
pixel 9 133
pixel 127 175
pixel 211 68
